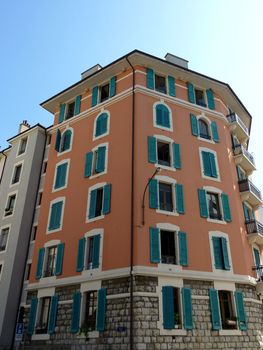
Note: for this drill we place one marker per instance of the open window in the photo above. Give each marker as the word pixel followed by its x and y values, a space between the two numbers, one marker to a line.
pixel 22 146
pixel 166 197
pixel 228 316
pixel 214 210
pixel 50 265
pixel 203 129
pixel 10 205
pixel 3 238
pixel 168 247
pixel 90 311
pixel 99 201
pixel 43 315
pixel 160 83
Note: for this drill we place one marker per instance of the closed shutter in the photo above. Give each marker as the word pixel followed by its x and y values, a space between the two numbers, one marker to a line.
pixel 194 125
pixel 171 85
pixel 53 315
pixel 202 203
pixel 162 116
pixel 66 140
pixel 213 165
pixel 112 86
pixel 59 260
pixel 101 310
pixel 257 257
pixel 106 199
pixel 187 308
pixel 81 252
pixel 152 152
pixel 94 99
pixel 92 204
pixel 61 175
pixel 242 319
pixel 210 99
pixel 62 110
pixel 77 105
pixel 191 92
pixel 153 195
pixel 41 254
pixel 55 216
pixel 226 207
pixel 96 252
pixel 246 212
pixel 101 156
pixel 206 163
pixel 215 313
pixel 183 250
pixel 32 316
pixel 218 254
pixel 150 78
pixel 88 164
pixel 154 245
pixel 215 134
pixel 58 139
pixel 74 328
pixel 225 253
pixel 168 307
pixel 179 193
pixel 101 124
pixel 176 156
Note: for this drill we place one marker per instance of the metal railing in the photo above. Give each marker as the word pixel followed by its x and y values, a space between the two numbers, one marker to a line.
pixel 239 149
pixel 246 185
pixel 233 117
pixel 254 226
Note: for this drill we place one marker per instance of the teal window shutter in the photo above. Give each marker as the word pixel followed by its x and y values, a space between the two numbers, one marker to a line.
pixel 66 140
pixel 59 260
pixel 61 175
pixel 209 164
pixel 58 139
pixel 213 165
pixel 241 314
pixel 246 212
pixel 101 124
pixel 168 307
pixel 218 253
pixel 187 308
pixel 150 78
pixel 53 315
pixel 179 193
pixel 101 156
pixel 191 92
pixel 177 156
pixel 171 85
pixel 101 310
pixel 96 252
pixel 257 257
pixel 74 328
pixel 77 105
pixel 202 203
pixel 62 110
pixel 55 216
pixel 154 245
pixel 92 204
pixel 153 194
pixel 210 99
pixel 88 164
pixel 225 253
pixel 194 125
pixel 152 150
pixel 183 250
pixel 215 313
pixel 162 116
pixel 112 86
pixel 40 261
pixel 32 316
pixel 215 134
pixel 94 99
pixel 81 252
pixel 226 207
pixel 106 199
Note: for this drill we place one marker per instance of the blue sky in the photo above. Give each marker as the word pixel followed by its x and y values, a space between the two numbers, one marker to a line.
pixel 45 45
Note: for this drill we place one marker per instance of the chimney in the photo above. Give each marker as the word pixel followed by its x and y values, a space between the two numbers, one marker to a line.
pixel 23 126
pixel 176 60
pixel 90 71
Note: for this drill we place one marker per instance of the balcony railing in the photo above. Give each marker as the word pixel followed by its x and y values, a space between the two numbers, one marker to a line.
pixel 254 226
pixel 239 149
pixel 246 185
pixel 233 117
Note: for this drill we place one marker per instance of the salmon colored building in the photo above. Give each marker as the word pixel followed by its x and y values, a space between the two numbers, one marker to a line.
pixel 147 234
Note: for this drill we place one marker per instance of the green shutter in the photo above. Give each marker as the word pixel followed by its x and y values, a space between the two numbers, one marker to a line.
pixel 246 212
pixel 101 124
pixel 183 250
pixel 75 315
pixel 187 308
pixel 58 139
pixel 77 105
pixel 62 110
pixel 162 116
pixel 32 316
pixel 81 252
pixel 153 194
pixel 226 207
pixel 101 310
pixel 66 140
pixel 202 203
pixel 213 165
pixel 242 319
pixel 112 86
pixel 206 163
pixel 218 254
pixel 92 204
pixel 55 217
pixel 215 134
pixel 191 92
pixel 257 257
pixel 168 307
pixel 101 156
pixel 53 315
pixel 88 164
pixel 150 78
pixel 194 125
pixel 171 85
pixel 96 252
pixel 225 253
pixel 215 313
pixel 152 150
pixel 41 254
pixel 154 245
pixel 179 193
pixel 94 98
pixel 59 260
pixel 210 99
pixel 176 156
pixel 106 199
pixel 61 175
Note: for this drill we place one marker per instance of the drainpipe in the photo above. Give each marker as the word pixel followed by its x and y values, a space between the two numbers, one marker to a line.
pixel 132 207
pixel 3 166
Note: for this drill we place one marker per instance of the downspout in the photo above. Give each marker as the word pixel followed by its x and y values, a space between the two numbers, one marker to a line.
pixel 3 166
pixel 132 207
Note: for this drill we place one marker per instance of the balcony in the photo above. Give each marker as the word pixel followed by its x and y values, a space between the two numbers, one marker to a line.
pixel 244 158
pixel 259 286
pixel 238 126
pixel 250 193
pixel 255 232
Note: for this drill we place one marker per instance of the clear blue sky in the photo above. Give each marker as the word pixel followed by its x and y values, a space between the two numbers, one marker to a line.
pixel 45 45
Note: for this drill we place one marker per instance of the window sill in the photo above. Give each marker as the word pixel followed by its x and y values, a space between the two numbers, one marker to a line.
pixel 96 218
pixel 55 230
pixel 98 175
pixel 169 268
pixel 59 188
pixel 169 213
pixel 93 334
pixel 40 337
pixel 215 221
pixel 46 280
pixel 230 332
pixel 171 332
pixel 205 140
pixel 165 167
pixel 217 179
pixel 163 127
pixel 95 138
pixel 89 273
pixel 64 152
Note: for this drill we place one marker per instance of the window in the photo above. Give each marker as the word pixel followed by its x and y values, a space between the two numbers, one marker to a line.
pixel 258 265
pixel 101 125
pixel 203 129
pixel 89 253
pixel 39 199
pixel 3 238
pixel 165 197
pixel 209 164
pixel 48 140
pixel 213 206
pixel 44 168
pixel 64 141
pixel 10 205
pixel 70 110
pixel 99 201
pixel 200 97
pixel 103 92
pixel 55 216
pixel 22 146
pixel 160 83
pixel 42 325
pixel 241 174
pixel 228 317
pixel 164 151
pixel 220 252
pixel 34 233
pixel 50 261
pixel 17 173
pixel 95 161
pixel 27 274
pixel 90 311
pixel 61 176
pixel 168 249
pixel 248 213
pixel 162 117
pixel 1 269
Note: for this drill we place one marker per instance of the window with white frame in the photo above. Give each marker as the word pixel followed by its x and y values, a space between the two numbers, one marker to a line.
pixel 96 161
pixel 103 92
pixel 101 125
pixel 203 129
pixel 10 205
pixel 50 263
pixel 220 253
pixel 56 214
pixel 50 259
pixel 258 264
pixel 16 174
pixel 3 238
pixel 22 146
pixel 227 310
pixel 99 201
pixel 61 175
pixel 89 310
pixel 43 315
pixel 162 116
pixel 64 141
pixel 209 163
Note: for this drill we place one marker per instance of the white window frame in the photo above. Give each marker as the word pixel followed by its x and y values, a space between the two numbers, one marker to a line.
pixel 9 230
pixel 13 174
pixel 166 83
pixel 165 139
pixel 161 101
pixel 218 272
pixel 169 181
pixel 95 187
pixel 208 121
pixel 55 175
pixel 8 196
pixel 71 141
pixel 94 137
pixel 59 199
pixel 94 175
pixel 90 272
pixel 197 87
pixel 255 246
pixel 47 245
pixel 67 107
pixel 205 149
pixel 106 82
pixel 218 192
pixel 19 146
pixel 29 262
